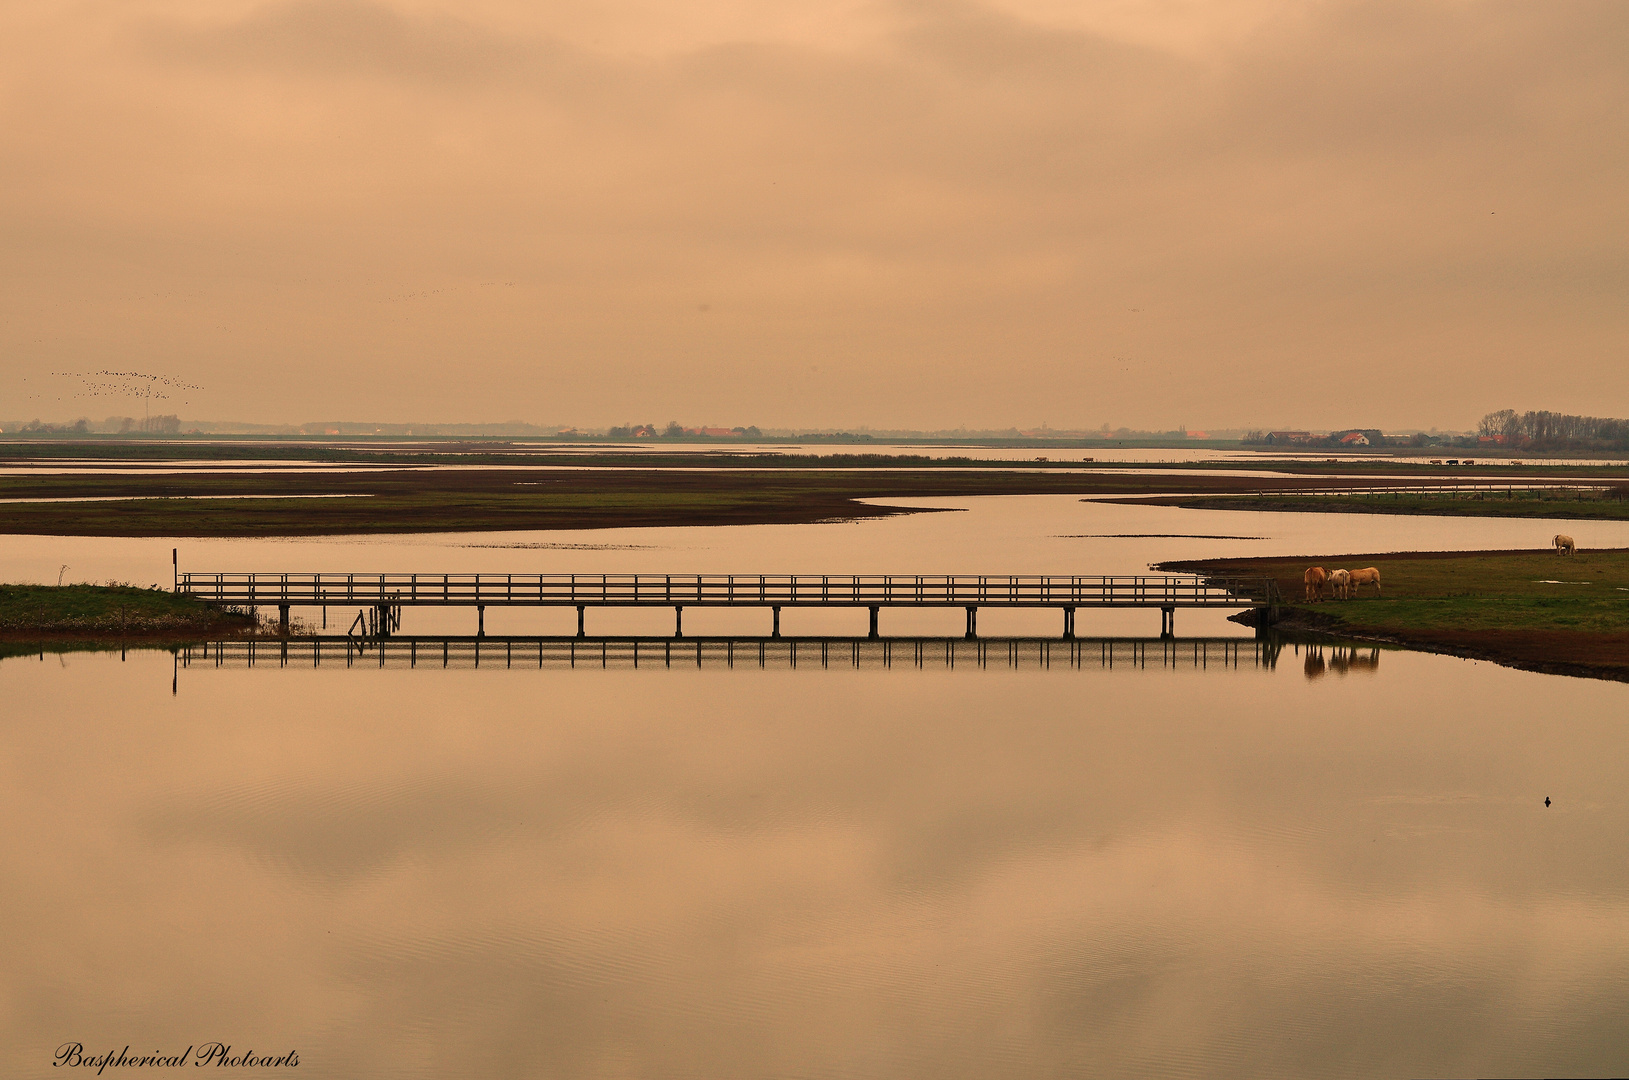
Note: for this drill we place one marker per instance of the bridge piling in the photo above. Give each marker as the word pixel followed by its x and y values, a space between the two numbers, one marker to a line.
pixel 1168 622
pixel 480 620
pixel 678 620
pixel 1069 623
pixel 972 622
pixel 874 612
pixel 282 619
pixel 776 632
pixel 580 609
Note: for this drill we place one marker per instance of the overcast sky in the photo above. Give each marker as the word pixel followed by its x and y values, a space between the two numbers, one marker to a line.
pixel 827 213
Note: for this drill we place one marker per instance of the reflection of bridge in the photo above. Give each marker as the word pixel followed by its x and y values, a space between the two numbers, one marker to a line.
pixel 732 652
pixel 384 595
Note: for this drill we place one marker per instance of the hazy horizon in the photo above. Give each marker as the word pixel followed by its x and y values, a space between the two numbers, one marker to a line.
pixel 924 214
pixel 345 428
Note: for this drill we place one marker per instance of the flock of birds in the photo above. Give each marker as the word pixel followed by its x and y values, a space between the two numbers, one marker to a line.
pixel 136 384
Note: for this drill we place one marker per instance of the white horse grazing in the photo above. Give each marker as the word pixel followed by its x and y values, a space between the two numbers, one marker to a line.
pixel 1564 545
pixel 1367 576
pixel 1340 583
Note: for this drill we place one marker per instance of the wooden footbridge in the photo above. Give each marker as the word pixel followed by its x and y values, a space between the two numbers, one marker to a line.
pixel 383 596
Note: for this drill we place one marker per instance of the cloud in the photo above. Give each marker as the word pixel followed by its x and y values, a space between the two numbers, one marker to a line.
pixel 349 38
pixel 931 186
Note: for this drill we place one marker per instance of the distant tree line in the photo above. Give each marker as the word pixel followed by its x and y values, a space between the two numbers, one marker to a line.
pixel 1554 431
pixel 1345 438
pixel 675 430
pixel 123 425
pixel 34 427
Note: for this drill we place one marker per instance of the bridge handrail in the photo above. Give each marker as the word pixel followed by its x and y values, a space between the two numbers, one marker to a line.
pixel 679 589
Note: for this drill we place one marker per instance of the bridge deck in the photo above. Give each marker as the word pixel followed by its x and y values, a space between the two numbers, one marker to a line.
pixel 724 590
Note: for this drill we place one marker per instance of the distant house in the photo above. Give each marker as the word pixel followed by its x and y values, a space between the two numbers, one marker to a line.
pixel 1286 438
pixel 1354 438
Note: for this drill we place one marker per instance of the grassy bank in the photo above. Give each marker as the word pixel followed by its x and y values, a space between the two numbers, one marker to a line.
pixel 110 613
pixel 1610 507
pixel 1527 609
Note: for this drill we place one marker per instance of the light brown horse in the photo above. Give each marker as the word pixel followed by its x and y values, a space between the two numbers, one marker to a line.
pixel 1340 584
pixel 1314 579
pixel 1367 576
pixel 1564 545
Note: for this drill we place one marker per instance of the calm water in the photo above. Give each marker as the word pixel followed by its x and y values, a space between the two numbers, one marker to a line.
pixel 1341 865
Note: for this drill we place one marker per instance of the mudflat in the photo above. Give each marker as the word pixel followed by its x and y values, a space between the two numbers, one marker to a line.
pixel 367 495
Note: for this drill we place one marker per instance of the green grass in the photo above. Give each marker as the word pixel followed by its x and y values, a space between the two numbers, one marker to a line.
pixel 1594 615
pixel 1529 608
pixel 109 611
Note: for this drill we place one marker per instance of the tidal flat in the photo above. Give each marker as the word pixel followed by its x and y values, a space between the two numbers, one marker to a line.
pixel 350 492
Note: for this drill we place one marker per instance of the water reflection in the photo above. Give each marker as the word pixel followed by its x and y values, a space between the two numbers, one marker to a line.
pixel 554 653
pixel 1339 659
pixel 1006 871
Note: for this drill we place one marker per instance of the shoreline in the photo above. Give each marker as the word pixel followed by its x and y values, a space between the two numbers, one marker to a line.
pixel 113 614
pixel 1309 625
pixel 1500 606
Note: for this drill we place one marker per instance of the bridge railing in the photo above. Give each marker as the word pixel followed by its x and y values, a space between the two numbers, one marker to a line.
pixel 714 589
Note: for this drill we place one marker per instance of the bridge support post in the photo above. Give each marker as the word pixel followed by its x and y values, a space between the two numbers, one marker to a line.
pixel 282 619
pixel 972 622
pixel 384 620
pixel 874 611
pixel 1167 622
pixel 678 620
pixel 580 632
pixel 480 620
pixel 776 631
pixel 1068 623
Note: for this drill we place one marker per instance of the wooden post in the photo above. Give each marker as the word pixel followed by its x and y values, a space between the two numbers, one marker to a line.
pixel 480 620
pixel 776 632
pixel 580 620
pixel 282 619
pixel 1069 622
pixel 972 621
pixel 678 620
pixel 874 611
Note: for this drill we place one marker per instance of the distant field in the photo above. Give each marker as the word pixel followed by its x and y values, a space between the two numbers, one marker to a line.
pixel 697 491
pixel 1611 507
pixel 137 453
pixel 1528 608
